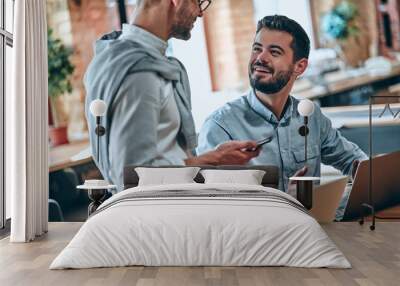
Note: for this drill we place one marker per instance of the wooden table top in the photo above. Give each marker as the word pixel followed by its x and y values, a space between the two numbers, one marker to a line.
pixel 305 89
pixel 374 255
pixel 60 157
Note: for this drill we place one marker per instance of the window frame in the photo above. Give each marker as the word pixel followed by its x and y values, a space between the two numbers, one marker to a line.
pixel 6 39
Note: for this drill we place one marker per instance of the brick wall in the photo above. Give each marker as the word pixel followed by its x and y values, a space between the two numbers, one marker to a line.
pixel 230 29
pixel 79 23
pixel 89 20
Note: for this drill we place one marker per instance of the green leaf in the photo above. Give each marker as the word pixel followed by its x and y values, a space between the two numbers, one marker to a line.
pixel 60 67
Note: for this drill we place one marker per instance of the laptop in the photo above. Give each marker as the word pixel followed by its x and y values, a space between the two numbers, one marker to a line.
pixel 385 185
pixel 326 199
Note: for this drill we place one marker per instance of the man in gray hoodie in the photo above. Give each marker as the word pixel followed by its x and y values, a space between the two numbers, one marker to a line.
pixel 149 119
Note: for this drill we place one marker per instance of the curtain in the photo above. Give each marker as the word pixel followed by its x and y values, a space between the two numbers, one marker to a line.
pixel 26 117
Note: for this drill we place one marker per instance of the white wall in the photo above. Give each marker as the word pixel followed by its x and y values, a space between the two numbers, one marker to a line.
pixel 298 10
pixel 193 54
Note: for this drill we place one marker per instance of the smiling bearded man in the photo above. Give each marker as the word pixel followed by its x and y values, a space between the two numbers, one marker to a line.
pixel 279 56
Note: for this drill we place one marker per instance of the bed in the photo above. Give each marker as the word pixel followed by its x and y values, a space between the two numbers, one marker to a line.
pixel 201 224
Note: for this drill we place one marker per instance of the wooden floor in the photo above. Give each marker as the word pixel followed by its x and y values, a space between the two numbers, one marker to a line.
pixel 375 257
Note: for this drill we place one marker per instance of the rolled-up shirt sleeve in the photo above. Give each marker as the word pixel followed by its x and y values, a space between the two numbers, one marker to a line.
pixel 337 150
pixel 135 118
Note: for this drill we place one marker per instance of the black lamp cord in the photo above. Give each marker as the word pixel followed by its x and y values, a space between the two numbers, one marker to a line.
pixel 305 139
pixel 98 121
pixel 303 131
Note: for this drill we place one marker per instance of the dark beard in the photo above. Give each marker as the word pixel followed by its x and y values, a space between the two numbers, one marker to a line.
pixel 274 85
pixel 181 33
pixel 181 28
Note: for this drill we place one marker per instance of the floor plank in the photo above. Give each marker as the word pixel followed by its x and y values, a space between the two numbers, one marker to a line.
pixel 375 257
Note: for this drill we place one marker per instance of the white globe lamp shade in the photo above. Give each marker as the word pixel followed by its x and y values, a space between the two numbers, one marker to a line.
pixel 305 107
pixel 98 107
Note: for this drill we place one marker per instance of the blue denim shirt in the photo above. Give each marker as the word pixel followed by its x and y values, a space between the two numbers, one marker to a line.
pixel 249 119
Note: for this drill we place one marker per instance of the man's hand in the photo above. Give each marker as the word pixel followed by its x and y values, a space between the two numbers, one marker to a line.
pixel 292 184
pixel 301 172
pixel 237 152
pixel 229 153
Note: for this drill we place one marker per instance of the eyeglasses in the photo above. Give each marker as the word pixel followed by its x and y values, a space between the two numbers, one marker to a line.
pixel 204 5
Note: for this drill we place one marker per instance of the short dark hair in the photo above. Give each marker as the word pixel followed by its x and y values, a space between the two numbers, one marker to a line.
pixel 300 43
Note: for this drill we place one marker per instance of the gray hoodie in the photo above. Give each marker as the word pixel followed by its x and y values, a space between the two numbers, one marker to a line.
pixel 114 60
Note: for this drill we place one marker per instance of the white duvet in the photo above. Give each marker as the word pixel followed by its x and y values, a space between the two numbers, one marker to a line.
pixel 203 231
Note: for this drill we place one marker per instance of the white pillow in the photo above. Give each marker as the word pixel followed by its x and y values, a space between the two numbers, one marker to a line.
pixel 248 177
pixel 165 176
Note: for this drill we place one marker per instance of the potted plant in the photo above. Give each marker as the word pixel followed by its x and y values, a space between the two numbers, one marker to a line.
pixel 339 25
pixel 60 70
